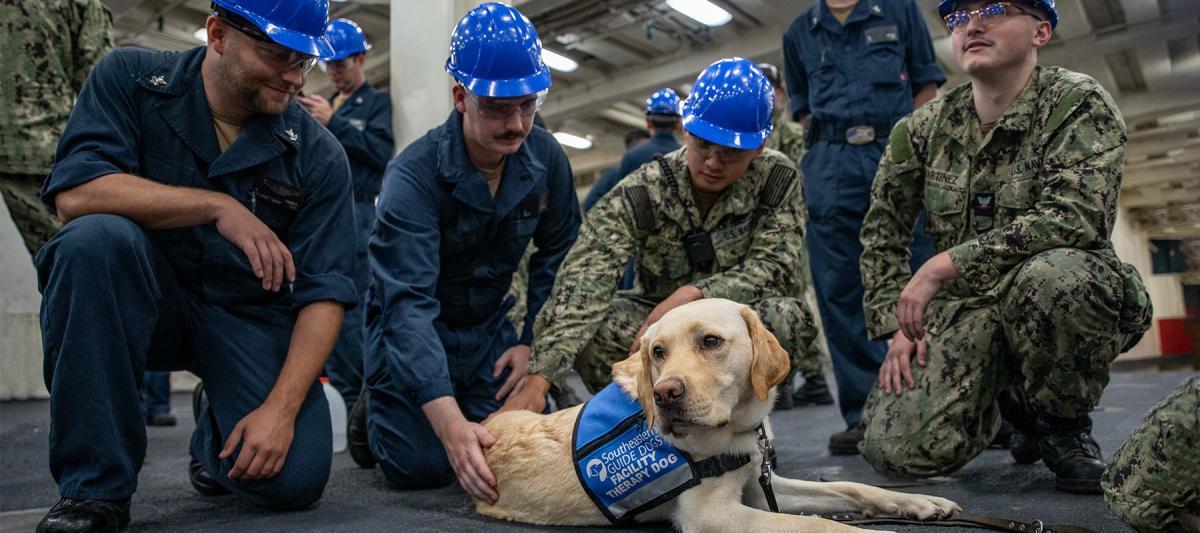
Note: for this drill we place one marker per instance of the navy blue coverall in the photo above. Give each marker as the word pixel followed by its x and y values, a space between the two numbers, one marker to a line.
pixel 442 258
pixel 862 73
pixel 363 125
pixel 118 299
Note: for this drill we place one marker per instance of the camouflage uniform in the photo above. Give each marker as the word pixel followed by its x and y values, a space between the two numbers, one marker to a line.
pixel 757 229
pixel 1025 212
pixel 788 137
pixel 49 48
pixel 1154 479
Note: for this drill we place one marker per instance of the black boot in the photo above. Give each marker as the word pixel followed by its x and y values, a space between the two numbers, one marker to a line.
pixel 1069 450
pixel 846 442
pixel 203 482
pixel 356 433
pixel 198 401
pixel 85 515
pixel 1024 448
pixel 1015 410
pixel 814 392
pixel 1003 438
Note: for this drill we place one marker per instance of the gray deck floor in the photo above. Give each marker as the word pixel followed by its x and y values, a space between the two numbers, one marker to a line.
pixel 359 500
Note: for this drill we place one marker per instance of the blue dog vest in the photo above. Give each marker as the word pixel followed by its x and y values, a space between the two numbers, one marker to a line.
pixel 626 467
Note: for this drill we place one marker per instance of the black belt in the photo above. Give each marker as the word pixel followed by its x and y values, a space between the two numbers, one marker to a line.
pixel 847 132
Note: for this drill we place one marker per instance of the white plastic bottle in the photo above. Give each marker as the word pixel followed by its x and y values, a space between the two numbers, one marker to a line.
pixel 337 415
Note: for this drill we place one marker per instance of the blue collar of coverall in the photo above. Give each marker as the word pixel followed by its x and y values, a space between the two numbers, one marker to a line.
pixel 356 97
pixel 185 109
pixel 665 135
pixel 863 10
pixel 520 172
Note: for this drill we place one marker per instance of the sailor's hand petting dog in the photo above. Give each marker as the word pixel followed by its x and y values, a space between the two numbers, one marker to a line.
pixel 683 295
pixel 265 435
pixel 517 358
pixel 528 395
pixel 464 442
pixel 921 289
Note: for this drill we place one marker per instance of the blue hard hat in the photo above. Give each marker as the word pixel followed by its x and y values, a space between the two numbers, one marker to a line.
pixel 296 24
pixel 663 102
pixel 346 38
pixel 730 105
pixel 945 7
pixel 495 52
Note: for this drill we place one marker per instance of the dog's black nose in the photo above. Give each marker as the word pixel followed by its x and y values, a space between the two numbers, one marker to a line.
pixel 668 391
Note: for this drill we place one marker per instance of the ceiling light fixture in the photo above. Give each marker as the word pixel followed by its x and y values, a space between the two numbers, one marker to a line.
pixel 702 11
pixel 558 61
pixel 572 141
pixel 201 35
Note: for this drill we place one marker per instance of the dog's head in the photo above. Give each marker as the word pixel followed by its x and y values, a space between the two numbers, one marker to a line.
pixel 704 365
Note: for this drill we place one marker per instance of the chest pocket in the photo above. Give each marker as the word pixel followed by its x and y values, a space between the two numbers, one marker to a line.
pixel 527 213
pixel 276 204
pixel 732 243
pixel 1018 195
pixel 884 61
pixel 664 256
pixel 945 207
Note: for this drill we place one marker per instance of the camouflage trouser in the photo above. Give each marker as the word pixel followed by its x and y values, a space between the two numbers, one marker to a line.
pixel 35 222
pixel 812 360
pixel 1153 482
pixel 787 318
pixel 1054 333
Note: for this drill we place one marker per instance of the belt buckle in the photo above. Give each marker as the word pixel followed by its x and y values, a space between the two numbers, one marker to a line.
pixel 860 135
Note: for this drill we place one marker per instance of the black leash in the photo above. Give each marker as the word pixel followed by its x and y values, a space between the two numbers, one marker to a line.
pixel 967 520
pixel 768 463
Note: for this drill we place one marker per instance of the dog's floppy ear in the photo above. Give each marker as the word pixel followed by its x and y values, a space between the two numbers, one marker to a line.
pixel 645 386
pixel 769 362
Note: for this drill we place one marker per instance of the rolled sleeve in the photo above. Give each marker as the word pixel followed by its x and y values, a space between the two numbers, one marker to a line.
pixel 921 61
pixel 793 69
pixel 321 237
pixel 102 135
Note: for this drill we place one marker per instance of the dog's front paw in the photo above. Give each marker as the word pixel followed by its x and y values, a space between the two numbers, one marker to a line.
pixel 923 507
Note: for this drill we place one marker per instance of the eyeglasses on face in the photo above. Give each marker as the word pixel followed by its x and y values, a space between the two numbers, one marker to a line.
pixel 988 15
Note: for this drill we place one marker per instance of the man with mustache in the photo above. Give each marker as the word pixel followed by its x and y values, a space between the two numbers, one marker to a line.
pixel 206 228
pixel 721 217
pixel 1018 172
pixel 361 119
pixel 459 207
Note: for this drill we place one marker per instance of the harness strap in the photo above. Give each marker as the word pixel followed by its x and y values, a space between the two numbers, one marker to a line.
pixel 720 464
pixel 967 520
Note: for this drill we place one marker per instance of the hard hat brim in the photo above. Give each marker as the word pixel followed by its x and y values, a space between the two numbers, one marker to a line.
pixel 725 137
pixel 313 45
pixel 502 88
pixel 338 56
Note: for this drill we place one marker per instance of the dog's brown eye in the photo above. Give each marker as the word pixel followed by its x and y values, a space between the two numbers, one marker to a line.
pixel 658 352
pixel 712 341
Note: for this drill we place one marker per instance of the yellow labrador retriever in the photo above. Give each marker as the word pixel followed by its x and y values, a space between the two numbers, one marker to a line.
pixel 705 377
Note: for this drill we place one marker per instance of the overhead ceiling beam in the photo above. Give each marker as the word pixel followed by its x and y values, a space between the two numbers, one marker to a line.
pixel 590 98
